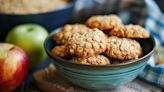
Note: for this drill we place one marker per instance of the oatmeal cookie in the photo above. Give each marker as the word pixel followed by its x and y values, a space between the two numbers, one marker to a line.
pixel 105 22
pixel 67 31
pixel 129 31
pixel 59 51
pixel 123 48
pixel 87 43
pixel 93 60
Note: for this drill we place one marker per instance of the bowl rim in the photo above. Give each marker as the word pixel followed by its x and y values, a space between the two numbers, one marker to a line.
pixel 69 5
pixel 108 65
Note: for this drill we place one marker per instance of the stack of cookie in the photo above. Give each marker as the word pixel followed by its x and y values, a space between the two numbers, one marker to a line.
pixel 103 40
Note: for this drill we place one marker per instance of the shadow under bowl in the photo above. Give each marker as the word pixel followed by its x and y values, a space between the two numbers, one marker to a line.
pixel 49 20
pixel 99 77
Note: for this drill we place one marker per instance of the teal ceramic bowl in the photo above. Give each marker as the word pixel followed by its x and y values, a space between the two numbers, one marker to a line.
pixel 102 77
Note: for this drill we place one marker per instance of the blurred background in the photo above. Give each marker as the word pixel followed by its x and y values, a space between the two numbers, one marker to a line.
pixel 17 12
pixel 52 14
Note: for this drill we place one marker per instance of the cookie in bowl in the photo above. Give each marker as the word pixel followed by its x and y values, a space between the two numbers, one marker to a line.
pixel 60 51
pixel 68 31
pixel 129 31
pixel 123 48
pixel 88 43
pixel 104 22
pixel 81 40
pixel 93 60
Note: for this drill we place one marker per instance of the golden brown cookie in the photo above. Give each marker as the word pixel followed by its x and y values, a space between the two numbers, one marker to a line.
pixel 123 48
pixel 87 43
pixel 59 51
pixel 93 60
pixel 129 31
pixel 105 22
pixel 67 31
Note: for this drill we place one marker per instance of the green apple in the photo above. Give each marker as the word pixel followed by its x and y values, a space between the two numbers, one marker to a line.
pixel 30 37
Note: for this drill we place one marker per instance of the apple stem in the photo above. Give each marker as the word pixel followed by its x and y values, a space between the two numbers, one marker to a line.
pixel 30 29
pixel 11 48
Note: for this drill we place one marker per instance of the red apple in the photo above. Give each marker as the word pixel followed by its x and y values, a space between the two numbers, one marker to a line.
pixel 13 67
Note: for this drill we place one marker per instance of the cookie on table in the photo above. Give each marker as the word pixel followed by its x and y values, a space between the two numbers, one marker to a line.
pixel 105 22
pixel 93 60
pixel 87 43
pixel 123 48
pixel 59 51
pixel 67 31
pixel 129 31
